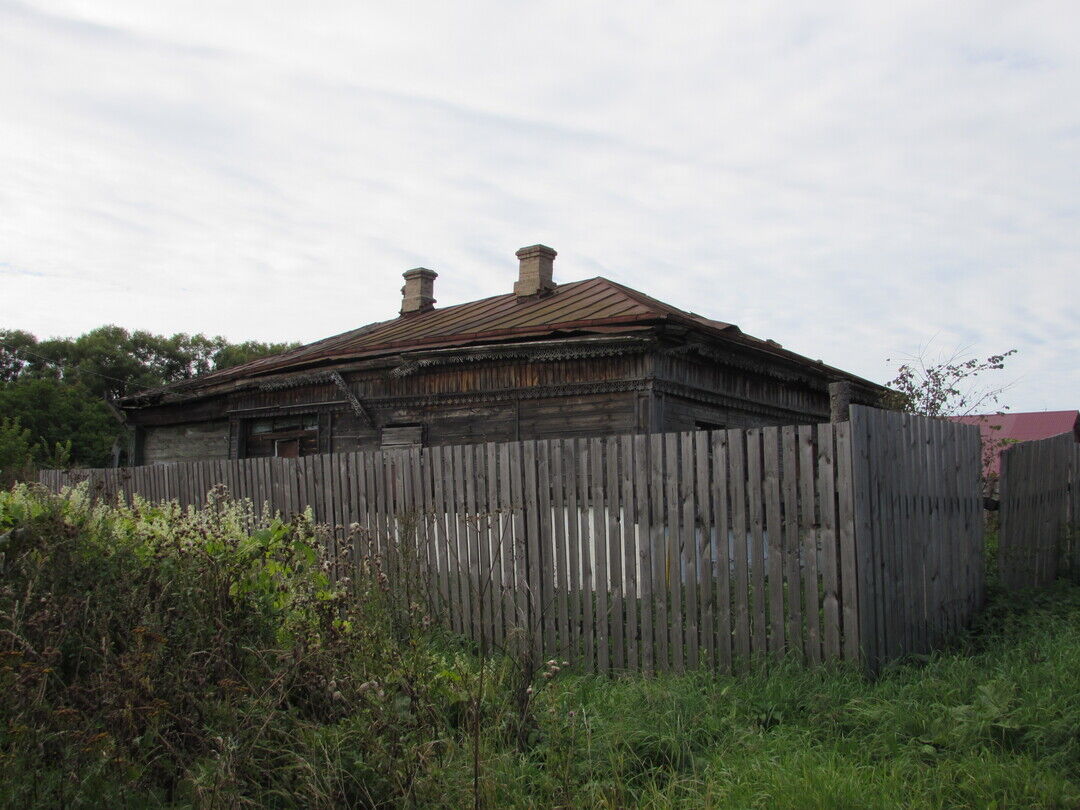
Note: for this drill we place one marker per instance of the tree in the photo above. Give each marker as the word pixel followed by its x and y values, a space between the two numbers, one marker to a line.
pixel 947 387
pixel 16 348
pixel 235 354
pixel 951 387
pixel 15 452
pixel 54 411
pixel 58 388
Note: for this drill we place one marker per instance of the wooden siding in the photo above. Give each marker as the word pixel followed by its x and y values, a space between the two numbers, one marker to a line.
pixel 193 442
pixel 494 400
pixel 678 413
pixel 770 393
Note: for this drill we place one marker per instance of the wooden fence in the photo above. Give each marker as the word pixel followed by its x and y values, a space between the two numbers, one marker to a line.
pixel 1040 512
pixel 858 541
pixel 919 530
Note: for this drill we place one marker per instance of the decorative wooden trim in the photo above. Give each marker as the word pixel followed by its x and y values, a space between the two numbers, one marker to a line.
pixel 357 407
pixel 542 351
pixel 740 403
pixel 779 368
pixel 278 410
pixel 512 394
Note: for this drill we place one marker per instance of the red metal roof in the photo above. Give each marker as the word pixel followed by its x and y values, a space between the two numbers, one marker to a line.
pixel 1021 427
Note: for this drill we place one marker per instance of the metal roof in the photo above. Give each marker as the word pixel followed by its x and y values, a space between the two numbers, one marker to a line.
pixel 595 306
pixel 1021 427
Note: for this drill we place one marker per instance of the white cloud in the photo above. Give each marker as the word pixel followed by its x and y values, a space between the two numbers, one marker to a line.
pixel 852 181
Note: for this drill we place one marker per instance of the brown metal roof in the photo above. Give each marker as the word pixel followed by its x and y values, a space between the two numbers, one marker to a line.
pixel 593 306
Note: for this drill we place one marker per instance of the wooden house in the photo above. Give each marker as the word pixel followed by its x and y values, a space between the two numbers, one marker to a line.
pixel 545 360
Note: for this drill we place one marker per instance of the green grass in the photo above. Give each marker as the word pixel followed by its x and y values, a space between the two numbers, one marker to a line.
pixel 150 658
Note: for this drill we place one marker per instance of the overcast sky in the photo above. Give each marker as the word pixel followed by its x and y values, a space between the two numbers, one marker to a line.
pixel 856 181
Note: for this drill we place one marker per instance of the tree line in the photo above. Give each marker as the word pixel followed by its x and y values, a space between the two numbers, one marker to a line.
pixel 57 395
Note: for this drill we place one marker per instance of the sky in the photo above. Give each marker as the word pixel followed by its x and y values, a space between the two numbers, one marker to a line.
pixel 862 182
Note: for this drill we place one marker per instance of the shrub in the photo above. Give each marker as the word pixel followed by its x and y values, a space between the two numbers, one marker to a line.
pixel 148 653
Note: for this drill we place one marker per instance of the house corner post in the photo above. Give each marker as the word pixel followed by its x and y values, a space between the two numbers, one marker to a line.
pixel 840 401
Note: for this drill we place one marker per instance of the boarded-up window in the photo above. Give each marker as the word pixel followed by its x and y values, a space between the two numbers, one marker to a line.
pixel 402 436
pixel 282 436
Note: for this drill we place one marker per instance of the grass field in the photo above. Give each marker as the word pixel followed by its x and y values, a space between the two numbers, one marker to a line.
pixel 150 658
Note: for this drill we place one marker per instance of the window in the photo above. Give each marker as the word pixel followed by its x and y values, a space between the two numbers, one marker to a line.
pixel 289 436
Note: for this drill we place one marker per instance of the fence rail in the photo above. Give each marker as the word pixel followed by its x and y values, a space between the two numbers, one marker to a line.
pixel 859 541
pixel 1040 512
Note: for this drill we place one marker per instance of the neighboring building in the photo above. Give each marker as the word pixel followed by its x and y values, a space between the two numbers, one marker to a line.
pixel 999 430
pixel 584 358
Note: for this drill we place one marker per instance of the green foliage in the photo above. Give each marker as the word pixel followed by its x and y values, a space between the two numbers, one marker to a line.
pixel 58 412
pixel 58 388
pixel 227 355
pixel 155 657
pixel 16 456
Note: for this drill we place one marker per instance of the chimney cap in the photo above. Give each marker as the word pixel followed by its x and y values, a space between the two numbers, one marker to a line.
pixel 534 271
pixel 418 294
pixel 536 250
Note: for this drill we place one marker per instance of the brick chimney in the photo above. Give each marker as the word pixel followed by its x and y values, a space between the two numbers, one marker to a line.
pixel 534 273
pixel 418 294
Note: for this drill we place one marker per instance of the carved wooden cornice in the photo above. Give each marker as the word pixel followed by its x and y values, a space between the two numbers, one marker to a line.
pixel 296 380
pixel 536 351
pixel 729 401
pixel 511 394
pixel 777 370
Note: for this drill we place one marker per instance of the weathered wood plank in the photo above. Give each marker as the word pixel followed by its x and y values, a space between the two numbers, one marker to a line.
pixel 828 558
pixel 600 558
pixel 588 595
pixel 546 548
pixel 848 552
pixel 521 571
pixel 615 553
pixel 674 556
pixel 630 551
pixel 462 540
pixel 658 544
pixel 688 541
pixel 789 488
pixel 532 550
pixel 561 576
pixel 644 505
pixel 506 547
pixel 472 538
pixel 722 547
pixel 774 530
pixel 754 487
pixel 703 542
pixel 486 504
pixel 446 529
pixel 739 520
pixel 574 500
pixel 808 531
